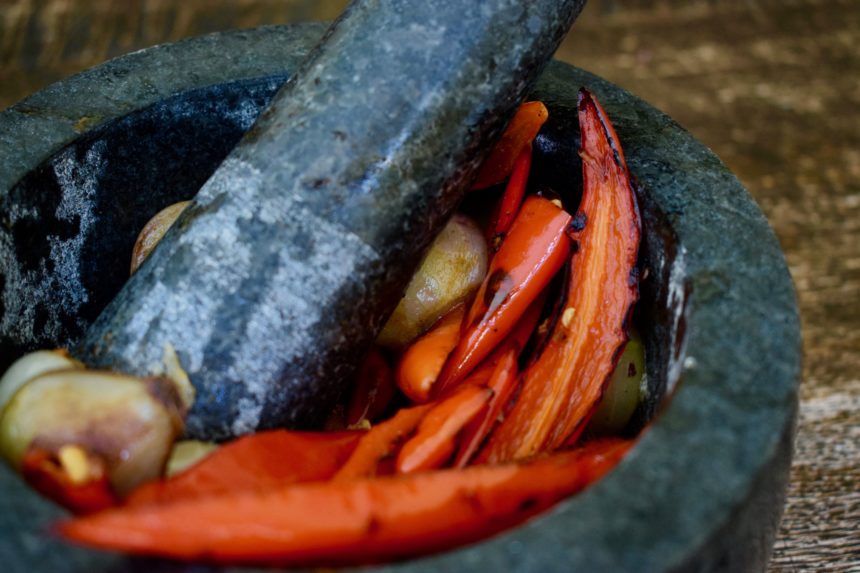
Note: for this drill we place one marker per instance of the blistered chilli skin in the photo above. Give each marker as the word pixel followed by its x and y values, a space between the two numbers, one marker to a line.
pixel 359 520
pixel 530 256
pixel 561 388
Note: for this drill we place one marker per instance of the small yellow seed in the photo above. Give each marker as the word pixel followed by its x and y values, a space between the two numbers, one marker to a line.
pixel 363 424
pixel 557 203
pixel 567 316
pixel 75 464
pixel 117 427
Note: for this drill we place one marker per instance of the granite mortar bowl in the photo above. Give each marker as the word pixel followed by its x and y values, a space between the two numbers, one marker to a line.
pixel 85 163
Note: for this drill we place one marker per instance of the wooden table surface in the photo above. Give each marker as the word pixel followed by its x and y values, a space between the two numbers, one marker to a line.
pixel 772 86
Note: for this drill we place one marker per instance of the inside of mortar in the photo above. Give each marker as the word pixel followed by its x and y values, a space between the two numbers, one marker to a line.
pixel 86 204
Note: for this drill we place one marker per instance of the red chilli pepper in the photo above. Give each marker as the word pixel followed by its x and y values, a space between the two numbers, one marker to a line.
pixel 562 387
pixel 521 131
pixel 508 206
pixel 502 382
pixel 419 367
pixel 299 499
pixel 258 461
pixel 435 440
pixel 532 254
pixel 380 443
pixel 363 520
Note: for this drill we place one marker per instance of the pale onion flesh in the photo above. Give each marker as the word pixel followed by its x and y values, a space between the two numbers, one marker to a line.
pixel 623 392
pixel 129 423
pixel 31 365
pixel 186 453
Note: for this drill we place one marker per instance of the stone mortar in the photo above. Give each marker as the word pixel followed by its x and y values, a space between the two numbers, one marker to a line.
pixel 704 487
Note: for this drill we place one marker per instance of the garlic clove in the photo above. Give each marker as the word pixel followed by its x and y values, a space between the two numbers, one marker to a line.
pixel 31 365
pixel 129 423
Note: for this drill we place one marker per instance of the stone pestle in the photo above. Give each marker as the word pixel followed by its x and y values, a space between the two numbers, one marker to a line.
pixel 282 271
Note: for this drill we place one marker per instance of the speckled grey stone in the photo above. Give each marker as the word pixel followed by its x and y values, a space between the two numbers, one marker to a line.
pixel 702 490
pixel 277 278
pixel 47 295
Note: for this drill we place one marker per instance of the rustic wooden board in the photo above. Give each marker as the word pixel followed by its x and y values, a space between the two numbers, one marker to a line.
pixel 773 86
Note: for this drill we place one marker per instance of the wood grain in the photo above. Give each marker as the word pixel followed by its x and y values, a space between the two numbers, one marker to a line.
pixel 774 89
pixel 773 86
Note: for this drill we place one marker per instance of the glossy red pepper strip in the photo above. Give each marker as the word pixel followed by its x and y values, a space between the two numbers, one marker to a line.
pixel 508 206
pixel 381 442
pixel 258 461
pixel 502 382
pixel 518 338
pixel 561 388
pixel 534 251
pixel 502 378
pixel 521 131
pixel 435 440
pixel 364 520
pixel 419 366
